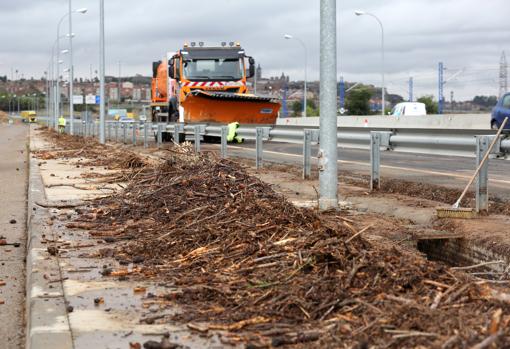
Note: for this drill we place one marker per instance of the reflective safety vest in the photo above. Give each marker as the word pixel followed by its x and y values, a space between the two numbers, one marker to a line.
pixel 61 121
pixel 232 133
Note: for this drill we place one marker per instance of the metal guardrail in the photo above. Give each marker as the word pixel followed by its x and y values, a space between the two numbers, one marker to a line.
pixel 465 143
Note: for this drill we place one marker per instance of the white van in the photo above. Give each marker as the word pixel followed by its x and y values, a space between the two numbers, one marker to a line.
pixel 409 109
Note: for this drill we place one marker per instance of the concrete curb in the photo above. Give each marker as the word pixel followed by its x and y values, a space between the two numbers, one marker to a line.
pixel 47 323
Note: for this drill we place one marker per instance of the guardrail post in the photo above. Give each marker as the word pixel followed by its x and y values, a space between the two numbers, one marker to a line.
pixel 124 133
pixel 177 132
pixel 117 125
pixel 307 154
pixel 259 147
pixel 160 135
pixel 135 127
pixel 308 137
pixel 378 139
pixel 109 131
pixel 482 191
pixel 224 133
pixel 145 135
pixel 375 161
pixel 196 134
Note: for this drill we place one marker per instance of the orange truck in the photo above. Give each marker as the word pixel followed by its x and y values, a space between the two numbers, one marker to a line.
pixel 207 85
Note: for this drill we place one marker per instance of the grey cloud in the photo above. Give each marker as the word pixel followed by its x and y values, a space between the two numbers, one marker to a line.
pixel 419 33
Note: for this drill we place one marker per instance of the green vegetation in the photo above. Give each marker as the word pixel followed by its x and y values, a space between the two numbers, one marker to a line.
pixel 25 102
pixel 485 101
pixel 296 108
pixel 430 104
pixel 357 101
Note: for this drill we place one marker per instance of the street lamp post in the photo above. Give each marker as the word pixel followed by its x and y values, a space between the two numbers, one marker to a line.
pixel 362 13
pixel 70 35
pixel 305 92
pixel 101 74
pixel 52 86
pixel 328 151
pixel 71 65
pixel 71 75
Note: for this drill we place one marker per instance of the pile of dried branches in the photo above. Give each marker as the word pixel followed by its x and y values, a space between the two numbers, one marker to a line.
pixel 90 152
pixel 243 258
pixel 4 117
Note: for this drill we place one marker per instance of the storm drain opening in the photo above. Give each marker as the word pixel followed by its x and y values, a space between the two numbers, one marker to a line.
pixel 467 255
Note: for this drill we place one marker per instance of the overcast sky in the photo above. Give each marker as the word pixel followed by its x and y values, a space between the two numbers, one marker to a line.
pixel 464 34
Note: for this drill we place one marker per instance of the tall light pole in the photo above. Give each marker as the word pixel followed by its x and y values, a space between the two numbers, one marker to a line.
pixel 305 92
pixel 363 13
pixel 120 84
pixel 47 96
pixel 71 66
pixel 101 74
pixel 70 35
pixel 328 151
pixel 53 85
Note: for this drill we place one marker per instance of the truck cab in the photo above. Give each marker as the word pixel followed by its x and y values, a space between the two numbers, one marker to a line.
pixel 500 112
pixel 208 85
pixel 29 116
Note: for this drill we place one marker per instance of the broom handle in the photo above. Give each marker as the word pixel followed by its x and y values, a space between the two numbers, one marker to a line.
pixel 482 162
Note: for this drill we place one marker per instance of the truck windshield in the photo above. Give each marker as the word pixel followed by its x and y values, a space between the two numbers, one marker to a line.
pixel 213 69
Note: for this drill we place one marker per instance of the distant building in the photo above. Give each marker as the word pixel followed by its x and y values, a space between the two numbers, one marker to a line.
pixel 259 72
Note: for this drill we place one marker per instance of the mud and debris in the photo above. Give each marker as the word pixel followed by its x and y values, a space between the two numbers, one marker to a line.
pixel 419 190
pixel 91 153
pixel 238 257
pixel 4 117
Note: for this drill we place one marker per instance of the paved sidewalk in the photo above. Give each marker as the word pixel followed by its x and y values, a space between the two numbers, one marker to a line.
pixel 71 301
pixel 13 206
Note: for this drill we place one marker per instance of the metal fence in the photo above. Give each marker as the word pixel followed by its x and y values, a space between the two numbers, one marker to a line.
pixel 464 143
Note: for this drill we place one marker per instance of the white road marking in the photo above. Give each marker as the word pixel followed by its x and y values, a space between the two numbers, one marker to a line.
pixel 444 174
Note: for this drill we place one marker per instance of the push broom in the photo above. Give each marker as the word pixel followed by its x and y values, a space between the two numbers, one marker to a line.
pixel 459 212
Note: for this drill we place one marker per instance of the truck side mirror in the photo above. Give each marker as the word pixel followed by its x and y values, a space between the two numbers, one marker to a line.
pixel 251 70
pixel 171 69
pixel 155 66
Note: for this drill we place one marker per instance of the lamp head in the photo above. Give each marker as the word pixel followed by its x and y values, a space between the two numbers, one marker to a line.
pixel 359 13
pixel 288 36
pixel 81 10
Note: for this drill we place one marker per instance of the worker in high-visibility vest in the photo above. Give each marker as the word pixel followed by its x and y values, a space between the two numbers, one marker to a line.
pixel 61 124
pixel 232 133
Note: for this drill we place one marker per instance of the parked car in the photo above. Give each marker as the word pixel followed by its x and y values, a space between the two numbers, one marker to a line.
pixel 409 109
pixel 500 111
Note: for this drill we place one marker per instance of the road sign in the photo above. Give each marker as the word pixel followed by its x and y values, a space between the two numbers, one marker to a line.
pixel 91 99
pixel 98 99
pixel 77 99
pixel 122 113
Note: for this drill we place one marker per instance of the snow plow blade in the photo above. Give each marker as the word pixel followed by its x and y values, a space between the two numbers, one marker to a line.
pixel 224 108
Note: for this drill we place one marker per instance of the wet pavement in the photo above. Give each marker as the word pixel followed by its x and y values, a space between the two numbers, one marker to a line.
pixel 13 187
pixel 102 311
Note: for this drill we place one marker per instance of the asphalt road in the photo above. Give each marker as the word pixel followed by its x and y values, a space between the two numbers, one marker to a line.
pixel 449 171
pixel 13 190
